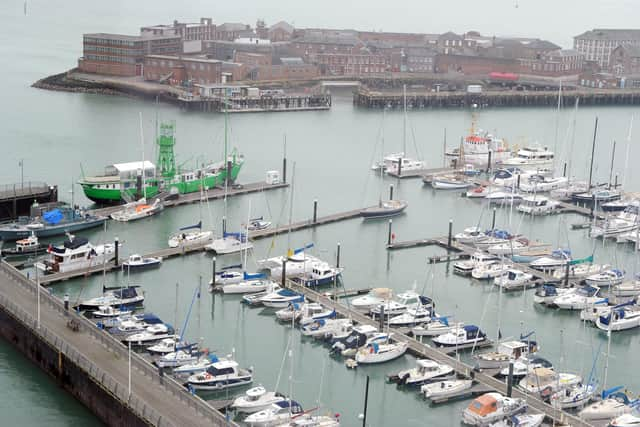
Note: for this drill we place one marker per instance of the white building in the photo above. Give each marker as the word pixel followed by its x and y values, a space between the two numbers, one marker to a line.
pixel 597 44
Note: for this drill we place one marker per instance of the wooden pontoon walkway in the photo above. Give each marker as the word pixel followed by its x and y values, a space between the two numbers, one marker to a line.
pixel 183 250
pixel 424 350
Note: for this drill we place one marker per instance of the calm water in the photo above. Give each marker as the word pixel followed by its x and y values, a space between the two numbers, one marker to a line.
pixel 58 135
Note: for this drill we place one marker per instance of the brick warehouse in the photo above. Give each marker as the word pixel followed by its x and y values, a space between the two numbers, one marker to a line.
pixel 182 70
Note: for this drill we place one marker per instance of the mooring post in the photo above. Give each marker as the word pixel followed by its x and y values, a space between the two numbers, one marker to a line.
pixel 399 167
pixel 213 272
pixel 315 211
pixel 338 256
pixel 566 275
pixel 381 320
pixel 229 171
pixel 510 380
pixel 284 273
pixel 366 401
pixel 489 161
pixel 224 225
pixel 284 169
pixel 115 262
pixel 391 190
pixel 615 185
pixel 518 182
pixel 449 238
pixel 564 170
pixel 389 234
pixel 493 220
pixel 593 206
pixel 66 302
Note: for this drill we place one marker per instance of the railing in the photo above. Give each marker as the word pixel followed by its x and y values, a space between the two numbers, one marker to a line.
pixel 23 189
pixel 202 408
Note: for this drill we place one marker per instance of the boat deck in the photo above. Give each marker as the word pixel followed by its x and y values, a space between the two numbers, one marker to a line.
pixel 476 389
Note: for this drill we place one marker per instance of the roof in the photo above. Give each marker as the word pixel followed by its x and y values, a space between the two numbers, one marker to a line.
pixel 450 35
pixel 338 37
pixel 282 25
pixel 133 166
pixel 610 34
pixel 125 37
pixel 222 364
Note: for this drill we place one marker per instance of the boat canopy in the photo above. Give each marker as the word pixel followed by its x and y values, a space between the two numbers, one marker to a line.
pixel 249 276
pixel 189 227
pixel 130 170
pixel 74 243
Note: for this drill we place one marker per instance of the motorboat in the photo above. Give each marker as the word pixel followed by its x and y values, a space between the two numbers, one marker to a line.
pixel 227 276
pixel 510 247
pixel 24 247
pixel 255 300
pixel 256 399
pixel 400 304
pixel 257 224
pixel 491 407
pixel 469 170
pixel 490 271
pixel 630 288
pixel 547 294
pixel 129 324
pixel 514 279
pixel 600 196
pixel 310 420
pixel 626 420
pixel 324 328
pixel 221 375
pixel 106 311
pixel 313 311
pixel 404 164
pixel 620 318
pixel 374 297
pixel 580 271
pixel 470 236
pixel 381 352
pixel 358 337
pixel 541 184
pixel 297 263
pixel 479 192
pixel 567 192
pixel 476 147
pixel 612 227
pixel 136 261
pixel 190 236
pixel 465 267
pixel 507 351
pixel 320 274
pixel 606 278
pixel 525 365
pixel 614 403
pixel 451 182
pixel 281 298
pixel 413 316
pixel 504 198
pixel 150 335
pixel 230 243
pixel 170 345
pixel 125 296
pixel 533 157
pixel 278 413
pixel 546 381
pixel 531 254
pixel 137 210
pixel 469 334
pixel 76 253
pixel 619 205
pixel 521 420
pixel 177 358
pixel 201 365
pixel 436 327
pixel 575 396
pixel 446 388
pixel 425 371
pixel 508 177
pixel 581 298
pixel 384 209
pixel 538 205
pixel 253 283
pixel 558 259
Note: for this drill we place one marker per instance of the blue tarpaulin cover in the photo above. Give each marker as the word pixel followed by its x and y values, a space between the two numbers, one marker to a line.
pixel 53 217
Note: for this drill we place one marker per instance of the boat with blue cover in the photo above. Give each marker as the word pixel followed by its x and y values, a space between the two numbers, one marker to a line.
pixel 281 298
pixel 126 296
pixel 321 274
pixel 55 222
pixel 469 334
pixel 221 375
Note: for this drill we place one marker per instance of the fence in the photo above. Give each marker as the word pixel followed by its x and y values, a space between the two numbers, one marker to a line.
pixel 202 408
pixel 8 191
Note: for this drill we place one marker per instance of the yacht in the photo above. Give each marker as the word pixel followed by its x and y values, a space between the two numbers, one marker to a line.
pixel 277 413
pixel 297 263
pixel 510 247
pixel 538 205
pixel 76 253
pixel 426 371
pixel 257 224
pixel 248 286
pixel 521 420
pixel 358 337
pixel 381 352
pixel 469 334
pixel 311 312
pixel 324 328
pixel 373 298
pixel 630 288
pixel 256 399
pixel 546 381
pixel 320 274
pixel 107 311
pixel 614 403
pixel 403 164
pixel 523 366
pixel 580 271
pixel 230 243
pixel 514 279
pixel 600 196
pixel 150 335
pixel 476 148
pixel 508 177
pixel 221 375
pixel 581 298
pixel 137 210
pixel 532 157
pixel 575 396
pixel 490 271
pixel 187 237
pixel 169 345
pixel 620 318
pixel 451 182
pixel 621 223
pixel 504 198
pixel 384 209
pixel 255 300
pixel 465 267
pixel 558 259
pixel 491 407
pixel 606 278
pixel 627 420
pixel 471 236
pixel 400 304
pixel 413 316
pixel 437 326
pixel 387 161
pixel 507 351
pixel 27 246
pixel 177 358
pixel 138 262
pixel 281 298
pixel 308 420
pixel 542 184
pixel 547 294
pixel 126 296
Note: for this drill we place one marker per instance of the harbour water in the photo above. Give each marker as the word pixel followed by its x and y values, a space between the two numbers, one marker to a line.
pixel 59 135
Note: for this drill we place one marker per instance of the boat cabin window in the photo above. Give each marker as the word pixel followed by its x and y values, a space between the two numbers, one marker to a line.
pixel 221 371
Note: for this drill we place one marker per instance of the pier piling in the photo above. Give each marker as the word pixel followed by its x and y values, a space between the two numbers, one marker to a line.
pixel 391 191
pixel 389 234
pixel 315 211
pixel 213 272
pixel 493 220
pixel 284 273
pixel 338 256
pixel 115 262
pixel 510 380
pixel 450 236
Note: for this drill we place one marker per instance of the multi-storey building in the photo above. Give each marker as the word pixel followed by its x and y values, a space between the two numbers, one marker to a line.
pixel 558 63
pixel 351 64
pixel 203 30
pixel 122 55
pixel 597 44
pixel 185 71
pixel 625 60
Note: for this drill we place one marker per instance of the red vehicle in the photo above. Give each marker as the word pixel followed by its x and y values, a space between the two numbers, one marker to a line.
pixel 511 77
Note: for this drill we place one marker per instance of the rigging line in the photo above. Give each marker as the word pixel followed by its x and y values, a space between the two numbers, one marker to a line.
pixel 415 142
pixel 379 141
pixel 324 366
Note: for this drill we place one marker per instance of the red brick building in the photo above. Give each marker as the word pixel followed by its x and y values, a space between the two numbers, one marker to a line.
pixel 280 32
pixel 474 65
pixel 625 60
pixel 230 31
pixel 351 64
pixel 182 71
pixel 122 55
pixel 557 63
pixel 203 30
pixel 251 59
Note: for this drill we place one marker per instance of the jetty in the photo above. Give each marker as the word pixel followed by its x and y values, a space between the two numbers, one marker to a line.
pixel 200 247
pixel 424 350
pixel 119 386
pixel 16 199
pixel 364 97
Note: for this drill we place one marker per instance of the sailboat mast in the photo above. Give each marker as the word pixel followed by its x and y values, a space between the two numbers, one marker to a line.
pixel 593 150
pixel 404 119
pixel 626 158
pixel 555 139
pixel 144 181
pixel 573 138
pixel 613 158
